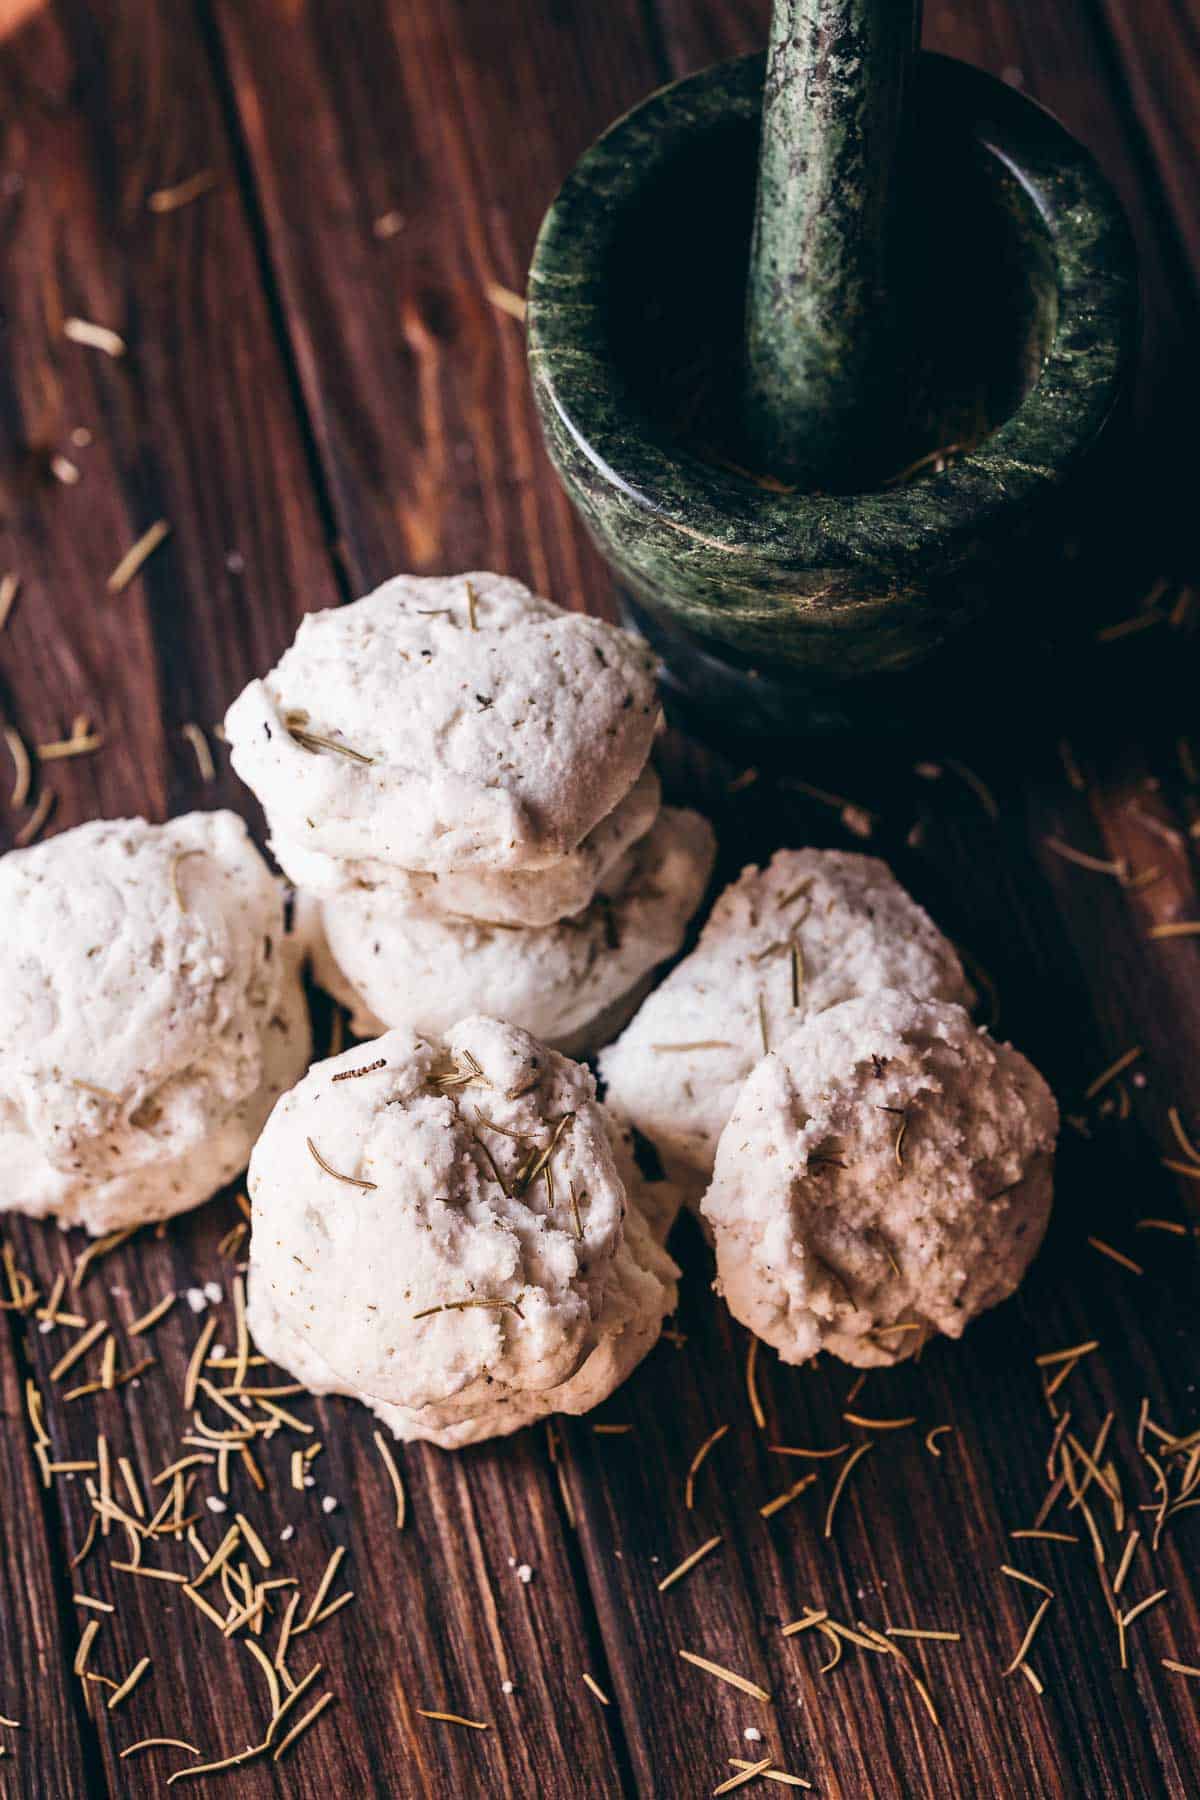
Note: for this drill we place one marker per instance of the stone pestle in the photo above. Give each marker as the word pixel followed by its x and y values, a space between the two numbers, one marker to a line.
pixel 821 350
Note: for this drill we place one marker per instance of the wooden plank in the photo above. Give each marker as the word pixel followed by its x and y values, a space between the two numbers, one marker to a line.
pixel 1077 60
pixel 441 1618
pixel 1155 46
pixel 919 1540
pixel 45 1754
pixel 1068 948
pixel 402 168
pixel 197 425
pixel 103 109
pixel 323 124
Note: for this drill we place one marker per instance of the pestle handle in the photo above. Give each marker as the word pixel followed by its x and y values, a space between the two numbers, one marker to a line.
pixel 818 359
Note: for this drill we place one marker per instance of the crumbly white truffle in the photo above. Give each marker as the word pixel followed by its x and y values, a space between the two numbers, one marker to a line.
pixel 599 865
pixel 357 1284
pixel 641 1292
pixel 677 1068
pixel 150 1013
pixel 397 966
pixel 886 1173
pixel 493 748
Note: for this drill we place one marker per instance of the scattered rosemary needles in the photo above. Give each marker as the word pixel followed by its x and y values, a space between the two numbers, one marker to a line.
pixel 688 1563
pixel 713 1438
pixel 10 587
pixel 727 1675
pixel 444 1306
pixel 93 336
pixel 137 555
pixel 297 730
pixel 182 193
pixel 843 1476
pixel 350 1180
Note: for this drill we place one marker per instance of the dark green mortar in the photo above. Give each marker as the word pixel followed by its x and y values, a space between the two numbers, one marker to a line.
pixel 782 612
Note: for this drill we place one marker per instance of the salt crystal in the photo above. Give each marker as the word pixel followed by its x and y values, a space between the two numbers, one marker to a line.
pixel 214 1503
pixel 328 1504
pixel 287 1534
pixel 195 1299
pixel 213 1292
pixel 524 1573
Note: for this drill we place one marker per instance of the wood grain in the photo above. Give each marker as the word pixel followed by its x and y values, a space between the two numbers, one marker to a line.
pixel 104 108
pixel 318 391
pixel 204 424
pixel 1051 935
pixel 46 1753
pixel 415 381
pixel 1155 50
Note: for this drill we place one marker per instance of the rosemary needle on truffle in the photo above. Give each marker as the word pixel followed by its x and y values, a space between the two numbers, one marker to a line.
pixel 351 1180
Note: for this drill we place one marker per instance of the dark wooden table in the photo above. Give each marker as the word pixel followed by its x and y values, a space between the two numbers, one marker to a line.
pixel 318 390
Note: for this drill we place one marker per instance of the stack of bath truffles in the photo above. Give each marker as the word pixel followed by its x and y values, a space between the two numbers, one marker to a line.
pixel 448 1231
pixel 871 1165
pixel 151 1012
pixel 456 777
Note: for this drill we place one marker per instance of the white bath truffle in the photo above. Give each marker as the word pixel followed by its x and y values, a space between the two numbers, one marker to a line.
pixel 436 1273
pixel 782 943
pixel 886 1173
pixel 641 1292
pixel 398 966
pixel 447 724
pixel 600 864
pixel 150 1014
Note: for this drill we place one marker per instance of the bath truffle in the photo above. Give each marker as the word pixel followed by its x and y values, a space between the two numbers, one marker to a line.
pixel 150 1014
pixel 601 864
pixel 814 928
pixel 398 965
pixel 446 724
pixel 442 1231
pixel 885 1174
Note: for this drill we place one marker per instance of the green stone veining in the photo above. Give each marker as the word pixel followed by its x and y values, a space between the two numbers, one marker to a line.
pixel 822 360
pixel 1019 318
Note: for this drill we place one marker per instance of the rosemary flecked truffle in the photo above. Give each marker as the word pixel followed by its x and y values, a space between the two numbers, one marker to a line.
pixel 885 1174
pixel 447 724
pixel 150 1014
pixel 441 1230
pixel 781 944
pixel 399 965
pixel 600 865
